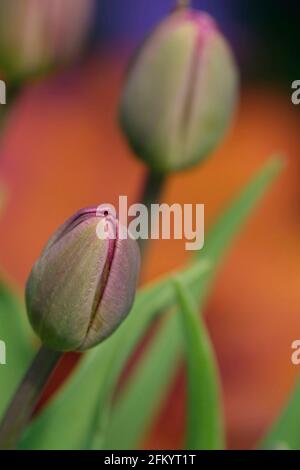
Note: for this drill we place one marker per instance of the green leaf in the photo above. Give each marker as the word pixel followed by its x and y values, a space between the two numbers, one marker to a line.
pixel 219 239
pixel 15 333
pixel 77 413
pixel 233 219
pixel 205 429
pixel 285 432
pixel 147 386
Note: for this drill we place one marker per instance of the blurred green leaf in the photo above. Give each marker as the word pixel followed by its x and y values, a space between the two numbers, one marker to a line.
pixel 76 415
pixel 233 219
pixel 205 429
pixel 150 384
pixel 217 243
pixel 15 333
pixel 285 432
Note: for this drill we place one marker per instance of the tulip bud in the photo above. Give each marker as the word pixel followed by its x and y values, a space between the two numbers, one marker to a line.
pixel 180 92
pixel 82 287
pixel 37 34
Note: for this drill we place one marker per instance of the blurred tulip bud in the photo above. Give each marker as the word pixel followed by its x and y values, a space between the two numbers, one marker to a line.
pixel 37 34
pixel 180 92
pixel 82 287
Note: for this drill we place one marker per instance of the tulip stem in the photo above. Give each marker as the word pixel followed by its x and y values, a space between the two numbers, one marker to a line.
pixel 183 3
pixel 12 93
pixel 151 195
pixel 26 397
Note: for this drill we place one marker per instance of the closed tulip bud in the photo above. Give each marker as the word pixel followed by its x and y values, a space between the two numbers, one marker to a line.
pixel 180 92
pixel 82 286
pixel 38 34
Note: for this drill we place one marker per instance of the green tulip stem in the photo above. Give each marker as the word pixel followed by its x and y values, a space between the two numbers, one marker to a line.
pixel 151 195
pixel 26 397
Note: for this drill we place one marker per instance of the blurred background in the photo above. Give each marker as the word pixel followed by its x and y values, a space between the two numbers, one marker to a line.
pixel 61 149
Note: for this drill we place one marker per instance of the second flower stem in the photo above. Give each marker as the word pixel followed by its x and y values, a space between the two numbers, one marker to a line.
pixel 183 3
pixel 151 195
pixel 26 397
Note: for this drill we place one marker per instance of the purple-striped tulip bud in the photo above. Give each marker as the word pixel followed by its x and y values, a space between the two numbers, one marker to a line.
pixel 180 92
pixel 83 286
pixel 38 34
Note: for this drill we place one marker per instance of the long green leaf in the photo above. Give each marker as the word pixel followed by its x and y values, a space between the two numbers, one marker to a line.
pixel 285 432
pixel 205 428
pixel 122 430
pixel 72 420
pixel 216 246
pixel 14 332
pixel 233 219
